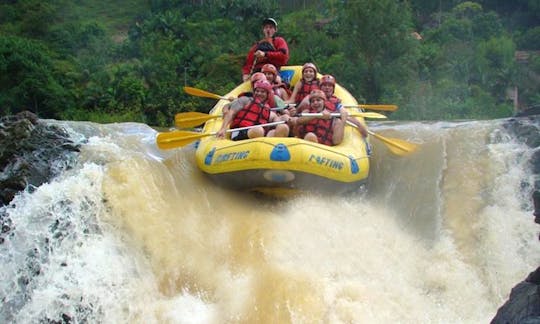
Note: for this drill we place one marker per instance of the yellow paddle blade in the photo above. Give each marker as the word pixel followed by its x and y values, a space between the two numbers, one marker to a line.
pixel 395 145
pixel 372 115
pixel 192 119
pixel 374 107
pixel 201 93
pixel 175 139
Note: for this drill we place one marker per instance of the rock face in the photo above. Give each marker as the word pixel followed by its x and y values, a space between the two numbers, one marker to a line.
pixel 523 306
pixel 31 153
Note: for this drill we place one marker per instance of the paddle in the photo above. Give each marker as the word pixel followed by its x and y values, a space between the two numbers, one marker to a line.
pixel 193 118
pixel 370 107
pixel 175 139
pixel 201 93
pixel 374 107
pixel 397 146
pixel 352 114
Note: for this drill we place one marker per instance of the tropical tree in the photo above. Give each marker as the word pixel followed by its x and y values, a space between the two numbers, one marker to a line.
pixel 380 48
pixel 28 78
pixel 467 65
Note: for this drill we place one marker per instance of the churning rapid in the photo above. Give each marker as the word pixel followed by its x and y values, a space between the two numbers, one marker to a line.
pixel 133 234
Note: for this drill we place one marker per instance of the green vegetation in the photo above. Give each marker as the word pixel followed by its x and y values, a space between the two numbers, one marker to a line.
pixel 128 60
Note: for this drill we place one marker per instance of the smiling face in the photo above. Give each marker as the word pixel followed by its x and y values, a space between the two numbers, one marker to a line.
pixel 328 89
pixel 260 94
pixel 270 76
pixel 317 103
pixel 308 74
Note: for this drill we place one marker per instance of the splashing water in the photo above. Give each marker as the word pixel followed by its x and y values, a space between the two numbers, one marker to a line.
pixel 135 234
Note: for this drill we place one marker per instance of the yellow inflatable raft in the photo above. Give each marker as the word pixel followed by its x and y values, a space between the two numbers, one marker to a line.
pixel 277 166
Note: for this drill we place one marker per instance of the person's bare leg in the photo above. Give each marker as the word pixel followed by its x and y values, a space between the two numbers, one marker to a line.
pixel 311 137
pixel 281 130
pixel 255 132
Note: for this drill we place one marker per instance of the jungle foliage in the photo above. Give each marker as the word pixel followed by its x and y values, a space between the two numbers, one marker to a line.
pixel 128 60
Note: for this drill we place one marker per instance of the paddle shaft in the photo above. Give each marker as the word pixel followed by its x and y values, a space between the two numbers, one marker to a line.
pixel 352 114
pixel 374 107
pixel 248 127
pixel 206 94
pixel 175 139
pixel 396 146
pixel 243 128
pixel 202 93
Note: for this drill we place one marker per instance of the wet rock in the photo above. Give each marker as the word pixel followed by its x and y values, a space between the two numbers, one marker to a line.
pixel 31 153
pixel 523 305
pixel 28 149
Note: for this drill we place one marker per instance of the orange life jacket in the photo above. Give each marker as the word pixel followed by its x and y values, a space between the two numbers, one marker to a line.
pixel 254 113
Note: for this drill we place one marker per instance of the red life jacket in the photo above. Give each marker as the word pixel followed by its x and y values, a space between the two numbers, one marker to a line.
pixel 306 89
pixel 254 113
pixel 322 128
pixel 278 56
pixel 332 103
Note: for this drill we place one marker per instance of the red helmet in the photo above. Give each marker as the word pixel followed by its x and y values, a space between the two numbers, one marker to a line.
pixel 264 85
pixel 317 94
pixel 257 76
pixel 328 79
pixel 269 68
pixel 309 65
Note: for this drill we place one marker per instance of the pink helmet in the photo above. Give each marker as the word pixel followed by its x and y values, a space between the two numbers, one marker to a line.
pixel 257 76
pixel 264 85
pixel 309 65
pixel 269 68
pixel 328 79
pixel 317 94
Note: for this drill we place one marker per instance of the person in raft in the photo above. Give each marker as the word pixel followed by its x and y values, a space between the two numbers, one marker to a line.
pixel 271 49
pixel 323 129
pixel 255 112
pixel 333 103
pixel 245 97
pixel 307 83
pixel 281 89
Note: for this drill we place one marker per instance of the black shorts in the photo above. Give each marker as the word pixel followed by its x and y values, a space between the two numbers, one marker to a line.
pixel 240 135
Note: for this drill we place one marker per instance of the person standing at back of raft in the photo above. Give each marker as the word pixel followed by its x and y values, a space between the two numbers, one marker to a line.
pixel 271 49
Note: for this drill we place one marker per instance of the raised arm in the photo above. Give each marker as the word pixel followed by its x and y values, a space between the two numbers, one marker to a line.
pixel 292 98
